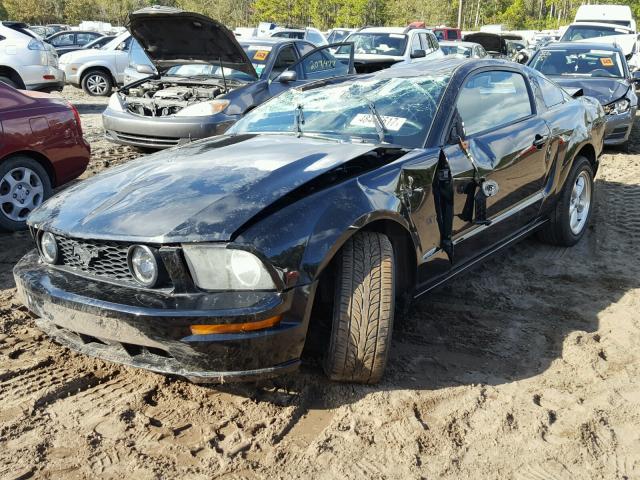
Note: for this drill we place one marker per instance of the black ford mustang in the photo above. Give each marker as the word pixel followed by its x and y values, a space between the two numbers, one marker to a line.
pixel 207 260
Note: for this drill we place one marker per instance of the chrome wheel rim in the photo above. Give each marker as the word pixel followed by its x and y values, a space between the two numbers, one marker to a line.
pixel 97 84
pixel 580 203
pixel 21 191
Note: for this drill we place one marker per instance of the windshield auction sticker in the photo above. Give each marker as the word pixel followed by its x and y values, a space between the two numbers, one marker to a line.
pixel 393 124
pixel 260 55
pixel 607 62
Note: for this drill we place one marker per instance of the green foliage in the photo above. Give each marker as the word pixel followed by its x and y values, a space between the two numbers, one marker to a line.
pixel 323 14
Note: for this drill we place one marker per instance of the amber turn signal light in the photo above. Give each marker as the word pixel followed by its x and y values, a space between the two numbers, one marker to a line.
pixel 235 327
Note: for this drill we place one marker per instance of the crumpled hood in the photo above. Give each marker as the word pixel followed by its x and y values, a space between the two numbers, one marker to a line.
pixel 203 191
pixel 605 90
pixel 170 36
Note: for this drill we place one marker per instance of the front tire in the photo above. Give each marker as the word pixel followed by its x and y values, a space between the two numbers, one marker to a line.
pixel 570 217
pixel 363 310
pixel 97 83
pixel 24 185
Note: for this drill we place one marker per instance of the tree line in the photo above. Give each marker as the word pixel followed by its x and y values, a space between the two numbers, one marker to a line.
pixel 323 14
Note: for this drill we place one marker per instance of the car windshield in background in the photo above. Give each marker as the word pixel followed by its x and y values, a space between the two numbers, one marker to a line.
pixel 205 70
pixel 456 50
pixel 258 55
pixel 392 44
pixel 337 36
pixel 583 32
pixel 398 110
pixel 583 63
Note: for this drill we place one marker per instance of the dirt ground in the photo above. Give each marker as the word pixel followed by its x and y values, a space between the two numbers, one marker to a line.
pixel 526 368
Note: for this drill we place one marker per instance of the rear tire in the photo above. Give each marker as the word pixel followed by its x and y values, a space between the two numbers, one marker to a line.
pixel 97 83
pixel 363 310
pixel 570 217
pixel 35 187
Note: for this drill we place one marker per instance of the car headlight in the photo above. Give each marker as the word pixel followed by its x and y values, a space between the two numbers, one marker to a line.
pixel 204 109
pixel 617 107
pixel 143 265
pixel 49 248
pixel 115 103
pixel 216 267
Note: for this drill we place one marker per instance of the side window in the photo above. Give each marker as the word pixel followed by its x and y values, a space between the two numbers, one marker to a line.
pixel 426 46
pixel 452 35
pixel 494 98
pixel 63 40
pixel 84 38
pixel 286 57
pixel 304 48
pixel 415 44
pixel 551 94
pixel 314 37
pixel 434 42
pixel 322 64
pixel 126 44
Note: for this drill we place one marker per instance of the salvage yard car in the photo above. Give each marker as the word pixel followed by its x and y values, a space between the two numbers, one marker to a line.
pixel 601 72
pixel 41 148
pixel 212 260
pixel 199 92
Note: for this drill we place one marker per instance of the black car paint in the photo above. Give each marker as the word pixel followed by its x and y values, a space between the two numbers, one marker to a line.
pixel 300 228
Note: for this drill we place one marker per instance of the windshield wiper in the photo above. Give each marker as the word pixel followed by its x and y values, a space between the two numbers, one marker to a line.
pixel 299 119
pixel 377 119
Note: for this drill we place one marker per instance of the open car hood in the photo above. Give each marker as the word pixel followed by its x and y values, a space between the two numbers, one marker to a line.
pixel 204 191
pixel 170 36
pixel 489 41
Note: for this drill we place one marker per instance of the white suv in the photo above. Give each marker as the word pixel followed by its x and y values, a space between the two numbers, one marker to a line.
pixel 26 61
pixel 97 71
pixel 376 48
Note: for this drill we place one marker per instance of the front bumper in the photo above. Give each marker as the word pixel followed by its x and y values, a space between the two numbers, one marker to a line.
pixel 149 329
pixel 43 78
pixel 162 132
pixel 618 127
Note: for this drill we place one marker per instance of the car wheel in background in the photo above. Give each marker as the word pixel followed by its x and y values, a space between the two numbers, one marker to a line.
pixel 570 218
pixel 9 82
pixel 24 185
pixel 97 83
pixel 363 310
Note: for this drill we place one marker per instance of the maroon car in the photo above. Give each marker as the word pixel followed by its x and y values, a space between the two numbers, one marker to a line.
pixel 41 147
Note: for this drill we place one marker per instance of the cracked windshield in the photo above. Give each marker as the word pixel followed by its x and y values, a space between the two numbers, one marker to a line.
pixel 386 110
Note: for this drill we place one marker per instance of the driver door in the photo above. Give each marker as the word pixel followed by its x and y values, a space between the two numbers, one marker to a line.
pixel 329 61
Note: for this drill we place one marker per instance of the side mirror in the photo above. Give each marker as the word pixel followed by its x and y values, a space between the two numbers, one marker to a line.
pixel 121 47
pixel 145 69
pixel 635 76
pixel 288 76
pixel 418 54
pixel 522 58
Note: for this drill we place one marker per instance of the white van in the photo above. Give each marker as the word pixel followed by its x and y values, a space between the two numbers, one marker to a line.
pixel 614 14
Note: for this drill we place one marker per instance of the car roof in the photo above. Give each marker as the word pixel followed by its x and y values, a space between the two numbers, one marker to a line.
pixel 443 66
pixel 581 46
pixel 383 30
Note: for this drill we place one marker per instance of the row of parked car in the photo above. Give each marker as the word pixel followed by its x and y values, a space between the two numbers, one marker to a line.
pixel 319 209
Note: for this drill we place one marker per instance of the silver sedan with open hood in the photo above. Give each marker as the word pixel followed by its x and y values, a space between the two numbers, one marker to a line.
pixel 202 80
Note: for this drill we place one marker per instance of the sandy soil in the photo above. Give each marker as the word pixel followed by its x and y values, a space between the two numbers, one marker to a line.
pixel 526 368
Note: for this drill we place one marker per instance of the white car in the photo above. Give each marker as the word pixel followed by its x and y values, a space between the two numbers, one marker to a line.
pixel 26 61
pixel 376 48
pixel 309 34
pixel 97 71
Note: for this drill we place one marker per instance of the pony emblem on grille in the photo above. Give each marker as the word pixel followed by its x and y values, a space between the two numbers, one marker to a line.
pixel 87 254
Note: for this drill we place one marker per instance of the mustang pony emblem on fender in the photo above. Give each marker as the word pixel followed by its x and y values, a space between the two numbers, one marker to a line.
pixel 87 254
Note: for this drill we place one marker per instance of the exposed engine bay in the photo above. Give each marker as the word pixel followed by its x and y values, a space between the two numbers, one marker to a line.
pixel 161 99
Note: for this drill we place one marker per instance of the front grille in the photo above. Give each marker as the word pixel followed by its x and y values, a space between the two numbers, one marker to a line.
pixel 100 258
pixel 151 140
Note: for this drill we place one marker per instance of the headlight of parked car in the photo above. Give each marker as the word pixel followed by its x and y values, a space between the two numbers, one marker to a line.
pixel 49 248
pixel 216 267
pixel 204 109
pixel 115 103
pixel 143 265
pixel 617 107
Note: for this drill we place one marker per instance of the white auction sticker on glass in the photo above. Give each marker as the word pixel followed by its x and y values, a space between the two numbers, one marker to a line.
pixel 393 124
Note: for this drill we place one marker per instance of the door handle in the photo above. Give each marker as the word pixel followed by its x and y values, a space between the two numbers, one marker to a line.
pixel 539 141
